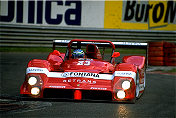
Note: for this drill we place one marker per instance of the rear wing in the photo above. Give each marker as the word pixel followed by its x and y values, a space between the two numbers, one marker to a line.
pixel 117 44
pixel 136 45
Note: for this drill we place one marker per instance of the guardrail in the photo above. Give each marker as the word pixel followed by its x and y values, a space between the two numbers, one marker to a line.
pixel 40 36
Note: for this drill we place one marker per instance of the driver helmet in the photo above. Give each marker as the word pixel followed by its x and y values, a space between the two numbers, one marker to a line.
pixel 78 53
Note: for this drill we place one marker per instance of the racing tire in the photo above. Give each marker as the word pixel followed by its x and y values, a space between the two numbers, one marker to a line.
pixel 144 78
pixel 144 83
pixel 133 101
pixel 137 89
pixel 137 85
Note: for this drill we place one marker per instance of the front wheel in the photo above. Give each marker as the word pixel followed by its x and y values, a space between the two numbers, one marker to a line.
pixel 137 89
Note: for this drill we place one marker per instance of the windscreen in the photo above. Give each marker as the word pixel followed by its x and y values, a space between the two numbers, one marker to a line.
pixel 93 50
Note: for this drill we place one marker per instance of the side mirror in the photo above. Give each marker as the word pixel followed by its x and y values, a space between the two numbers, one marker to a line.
pixel 56 52
pixel 116 54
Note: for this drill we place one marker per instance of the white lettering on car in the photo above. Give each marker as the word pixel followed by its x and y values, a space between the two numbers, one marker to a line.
pixel 86 63
pixel 80 81
pixel 80 74
pixel 97 88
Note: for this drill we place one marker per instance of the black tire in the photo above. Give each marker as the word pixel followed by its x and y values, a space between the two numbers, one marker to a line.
pixel 137 94
pixel 133 101
pixel 137 89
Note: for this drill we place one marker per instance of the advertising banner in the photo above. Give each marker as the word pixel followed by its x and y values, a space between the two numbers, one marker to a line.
pixel 103 14
pixel 65 13
pixel 140 15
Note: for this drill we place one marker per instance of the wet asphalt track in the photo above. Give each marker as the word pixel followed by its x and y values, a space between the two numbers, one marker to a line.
pixel 158 100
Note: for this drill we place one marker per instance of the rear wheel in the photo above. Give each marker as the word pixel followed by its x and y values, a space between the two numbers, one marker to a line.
pixel 137 85
pixel 144 78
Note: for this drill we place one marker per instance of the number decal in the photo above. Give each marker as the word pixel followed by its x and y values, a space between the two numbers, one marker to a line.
pixel 86 63
pixel 80 63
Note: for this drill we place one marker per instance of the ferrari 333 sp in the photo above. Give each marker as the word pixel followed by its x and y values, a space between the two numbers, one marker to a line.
pixel 85 72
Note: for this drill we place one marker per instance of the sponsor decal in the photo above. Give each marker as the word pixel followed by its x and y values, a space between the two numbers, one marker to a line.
pixel 80 81
pixel 36 70
pixel 125 74
pixel 159 9
pixel 57 86
pixel 65 13
pixel 140 15
pixel 67 74
pixel 41 12
pixel 97 88
pixel 80 74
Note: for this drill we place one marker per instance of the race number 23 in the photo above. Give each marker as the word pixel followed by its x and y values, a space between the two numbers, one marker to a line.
pixel 86 63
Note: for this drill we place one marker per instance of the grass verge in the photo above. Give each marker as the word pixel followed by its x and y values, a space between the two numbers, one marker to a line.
pixel 44 49
pixel 24 49
pixel 173 70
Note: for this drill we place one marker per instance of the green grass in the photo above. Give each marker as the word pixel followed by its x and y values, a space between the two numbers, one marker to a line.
pixel 172 70
pixel 40 49
pixel 23 49
pixel 29 49
pixel 131 51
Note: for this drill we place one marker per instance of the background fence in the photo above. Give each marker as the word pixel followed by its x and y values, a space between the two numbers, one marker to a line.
pixel 40 36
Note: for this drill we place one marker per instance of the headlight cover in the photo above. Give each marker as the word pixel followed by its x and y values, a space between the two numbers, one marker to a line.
pixel 35 91
pixel 126 84
pixel 32 81
pixel 121 94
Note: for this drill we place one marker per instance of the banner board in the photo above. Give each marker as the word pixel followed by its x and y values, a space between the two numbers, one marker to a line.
pixel 66 13
pixel 140 15
pixel 103 14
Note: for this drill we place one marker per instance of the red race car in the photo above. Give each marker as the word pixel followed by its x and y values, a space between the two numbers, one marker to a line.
pixel 87 71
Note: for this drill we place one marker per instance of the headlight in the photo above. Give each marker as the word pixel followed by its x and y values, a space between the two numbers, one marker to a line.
pixel 32 81
pixel 35 91
pixel 121 94
pixel 126 85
